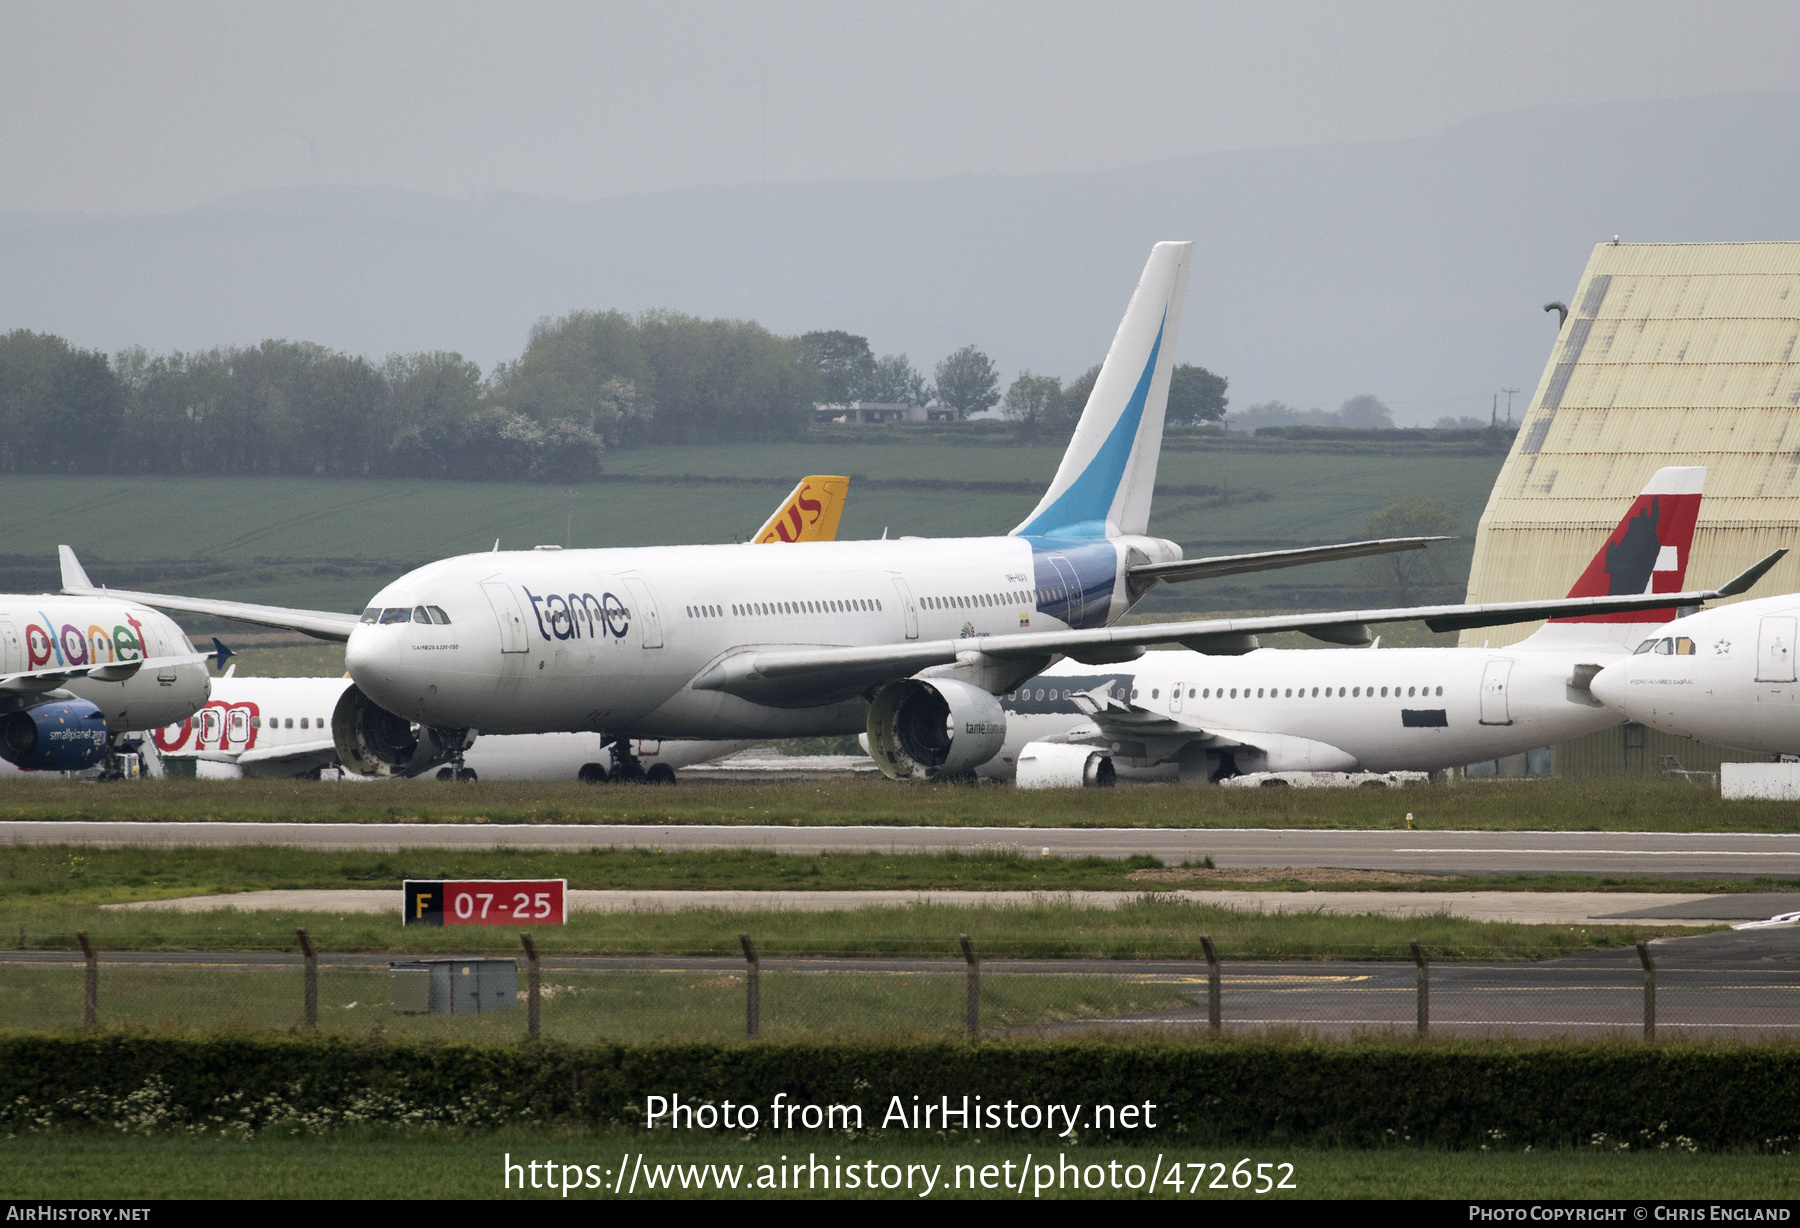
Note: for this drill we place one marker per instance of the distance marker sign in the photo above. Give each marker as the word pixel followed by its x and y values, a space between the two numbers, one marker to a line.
pixel 486 901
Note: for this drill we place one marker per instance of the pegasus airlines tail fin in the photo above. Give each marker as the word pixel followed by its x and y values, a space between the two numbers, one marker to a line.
pixel 1103 486
pixel 810 514
pixel 1646 553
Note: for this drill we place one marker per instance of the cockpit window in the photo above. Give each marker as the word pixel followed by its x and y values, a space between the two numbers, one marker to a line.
pixel 421 615
pixel 1646 646
pixel 1665 647
pixel 372 614
pixel 1684 647
pixel 438 616
pixel 396 614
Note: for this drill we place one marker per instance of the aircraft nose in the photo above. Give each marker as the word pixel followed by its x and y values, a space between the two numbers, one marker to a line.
pixel 370 658
pixel 1609 685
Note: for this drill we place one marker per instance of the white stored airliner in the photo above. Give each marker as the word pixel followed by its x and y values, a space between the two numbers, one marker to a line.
pixel 79 673
pixel 1197 718
pixel 1724 676
pixel 911 640
pixel 281 727
pixel 248 727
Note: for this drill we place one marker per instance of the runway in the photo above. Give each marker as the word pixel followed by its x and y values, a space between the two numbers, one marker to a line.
pixel 1666 854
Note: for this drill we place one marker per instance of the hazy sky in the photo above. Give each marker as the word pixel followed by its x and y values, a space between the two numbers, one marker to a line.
pixel 135 107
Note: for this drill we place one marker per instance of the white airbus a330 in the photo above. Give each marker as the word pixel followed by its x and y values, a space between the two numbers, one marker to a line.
pixel 911 640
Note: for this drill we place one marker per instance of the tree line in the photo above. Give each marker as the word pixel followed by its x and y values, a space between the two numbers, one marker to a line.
pixel 587 382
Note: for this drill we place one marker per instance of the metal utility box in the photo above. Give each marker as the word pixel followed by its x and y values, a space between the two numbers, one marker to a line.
pixel 451 986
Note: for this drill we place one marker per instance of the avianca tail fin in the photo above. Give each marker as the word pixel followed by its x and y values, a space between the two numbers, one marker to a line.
pixel 1646 553
pixel 810 514
pixel 1103 486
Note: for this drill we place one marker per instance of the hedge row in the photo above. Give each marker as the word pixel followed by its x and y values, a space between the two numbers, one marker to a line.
pixel 1369 1093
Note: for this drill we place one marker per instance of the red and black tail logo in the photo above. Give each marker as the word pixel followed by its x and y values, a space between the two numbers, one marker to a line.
pixel 1648 551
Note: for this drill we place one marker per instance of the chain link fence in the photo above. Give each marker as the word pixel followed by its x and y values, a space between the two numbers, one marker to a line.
pixel 1642 992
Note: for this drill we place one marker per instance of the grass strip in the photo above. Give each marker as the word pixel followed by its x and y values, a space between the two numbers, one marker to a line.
pixel 75 874
pixel 1537 805
pixel 1147 927
pixel 384 1164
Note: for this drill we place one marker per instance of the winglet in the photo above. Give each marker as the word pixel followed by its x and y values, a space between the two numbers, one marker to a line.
pixel 221 653
pixel 1745 580
pixel 73 576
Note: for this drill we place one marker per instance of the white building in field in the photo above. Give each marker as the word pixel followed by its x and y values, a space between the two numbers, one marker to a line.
pixel 874 413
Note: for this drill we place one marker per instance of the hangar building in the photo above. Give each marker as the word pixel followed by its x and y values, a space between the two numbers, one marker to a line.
pixel 1671 354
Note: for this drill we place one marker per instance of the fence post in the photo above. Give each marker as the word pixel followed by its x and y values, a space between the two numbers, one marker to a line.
pixel 91 1000
pixel 533 987
pixel 1649 990
pixel 1214 1007
pixel 312 979
pixel 969 957
pixel 752 987
pixel 1424 967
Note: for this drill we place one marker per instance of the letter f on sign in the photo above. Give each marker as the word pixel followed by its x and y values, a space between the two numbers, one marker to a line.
pixel 419 907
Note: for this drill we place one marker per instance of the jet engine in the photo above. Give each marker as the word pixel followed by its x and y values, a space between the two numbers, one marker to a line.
pixel 925 728
pixel 371 741
pixel 64 735
pixel 1059 765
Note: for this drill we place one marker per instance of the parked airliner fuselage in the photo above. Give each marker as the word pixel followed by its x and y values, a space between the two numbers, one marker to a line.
pixel 543 640
pixel 1418 709
pixel 53 632
pixel 1725 676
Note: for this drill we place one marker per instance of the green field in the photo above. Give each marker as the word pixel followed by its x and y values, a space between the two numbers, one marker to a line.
pixel 581 1007
pixel 446 1165
pixel 1492 805
pixel 330 543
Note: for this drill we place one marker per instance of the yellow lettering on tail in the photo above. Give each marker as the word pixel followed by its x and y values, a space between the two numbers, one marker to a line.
pixel 810 514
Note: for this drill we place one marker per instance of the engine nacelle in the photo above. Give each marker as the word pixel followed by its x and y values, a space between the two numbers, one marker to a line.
pixel 63 735
pixel 371 741
pixel 924 728
pixel 1059 765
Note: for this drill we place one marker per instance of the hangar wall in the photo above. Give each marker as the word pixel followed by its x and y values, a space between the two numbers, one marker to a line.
pixel 1672 354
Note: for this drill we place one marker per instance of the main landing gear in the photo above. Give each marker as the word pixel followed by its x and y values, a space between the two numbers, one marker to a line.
pixel 627 768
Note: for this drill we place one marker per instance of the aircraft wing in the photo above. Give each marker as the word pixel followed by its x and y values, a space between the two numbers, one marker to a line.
pixel 320 624
pixel 296 751
pixel 1117 723
pixel 37 681
pixel 796 677
pixel 1271 560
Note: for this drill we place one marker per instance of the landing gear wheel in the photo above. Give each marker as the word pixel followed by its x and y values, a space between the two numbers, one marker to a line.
pixel 627 770
pixel 592 774
pixel 467 775
pixel 660 774
pixel 446 773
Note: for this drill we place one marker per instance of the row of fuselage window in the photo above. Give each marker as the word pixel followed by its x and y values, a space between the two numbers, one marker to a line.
pixel 756 609
pixel 981 600
pixel 273 722
pixel 868 606
pixel 1274 692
